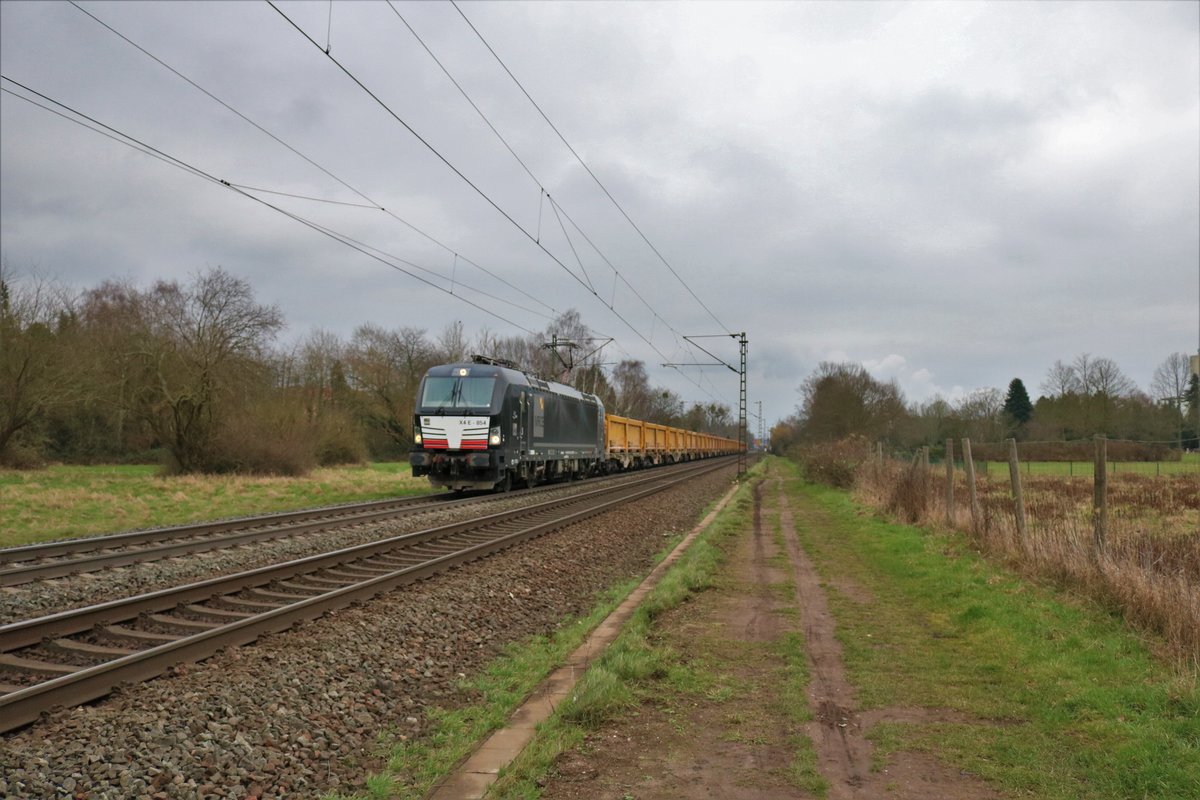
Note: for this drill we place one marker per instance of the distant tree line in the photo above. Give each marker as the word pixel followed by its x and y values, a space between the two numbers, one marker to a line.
pixel 193 375
pixel 1082 398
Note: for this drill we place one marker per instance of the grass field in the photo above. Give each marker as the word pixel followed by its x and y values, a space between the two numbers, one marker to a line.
pixel 1188 465
pixel 1071 704
pixel 1057 699
pixel 66 501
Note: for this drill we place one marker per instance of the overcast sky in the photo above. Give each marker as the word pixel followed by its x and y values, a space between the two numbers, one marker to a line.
pixel 950 194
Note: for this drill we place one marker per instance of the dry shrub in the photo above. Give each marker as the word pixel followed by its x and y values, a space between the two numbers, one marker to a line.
pixel 279 435
pixel 908 499
pixel 834 463
pixel 1149 570
pixel 19 456
pixel 269 439
pixel 339 439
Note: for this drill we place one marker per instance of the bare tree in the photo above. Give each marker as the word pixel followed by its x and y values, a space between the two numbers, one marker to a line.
pixel 982 414
pixel 1061 380
pixel 318 370
pixel 1170 385
pixel 631 387
pixel 838 400
pixel 36 343
pixel 198 346
pixel 452 344
pixel 387 366
pixel 1171 378
pixel 1105 379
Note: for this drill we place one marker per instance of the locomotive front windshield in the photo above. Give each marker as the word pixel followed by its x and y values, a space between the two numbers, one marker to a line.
pixel 457 393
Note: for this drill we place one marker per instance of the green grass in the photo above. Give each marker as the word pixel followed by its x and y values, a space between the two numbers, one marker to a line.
pixel 620 679
pixel 1190 465
pixel 414 765
pixel 803 771
pixel 1070 704
pixel 66 501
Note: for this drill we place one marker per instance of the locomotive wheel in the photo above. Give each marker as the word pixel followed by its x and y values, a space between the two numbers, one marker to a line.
pixel 505 485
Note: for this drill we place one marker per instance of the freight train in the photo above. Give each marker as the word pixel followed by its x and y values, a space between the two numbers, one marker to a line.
pixel 488 425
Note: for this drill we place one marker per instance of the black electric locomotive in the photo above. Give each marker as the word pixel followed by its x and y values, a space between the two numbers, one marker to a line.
pixel 488 425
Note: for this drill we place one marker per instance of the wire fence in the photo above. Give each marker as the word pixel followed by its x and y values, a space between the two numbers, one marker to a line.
pixel 1071 459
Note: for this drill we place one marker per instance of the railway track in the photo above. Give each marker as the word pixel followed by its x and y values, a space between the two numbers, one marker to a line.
pixel 72 657
pixel 20 565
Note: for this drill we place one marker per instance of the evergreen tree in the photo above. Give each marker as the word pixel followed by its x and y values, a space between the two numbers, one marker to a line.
pixel 1016 402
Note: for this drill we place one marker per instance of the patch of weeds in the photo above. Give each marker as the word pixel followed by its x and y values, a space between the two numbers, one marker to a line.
pixel 1070 704
pixel 793 696
pixel 414 765
pixel 602 693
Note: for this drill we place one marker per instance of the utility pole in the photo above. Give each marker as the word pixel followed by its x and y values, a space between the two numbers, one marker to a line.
pixel 743 343
pixel 742 432
pixel 762 439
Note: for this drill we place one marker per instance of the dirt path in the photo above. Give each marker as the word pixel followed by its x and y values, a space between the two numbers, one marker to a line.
pixel 732 725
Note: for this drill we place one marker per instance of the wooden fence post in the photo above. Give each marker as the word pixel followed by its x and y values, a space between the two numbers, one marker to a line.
pixel 924 479
pixel 969 466
pixel 950 482
pixel 1100 496
pixel 1014 472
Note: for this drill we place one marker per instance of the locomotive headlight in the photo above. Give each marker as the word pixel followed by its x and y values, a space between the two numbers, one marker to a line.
pixel 416 437
pixel 494 436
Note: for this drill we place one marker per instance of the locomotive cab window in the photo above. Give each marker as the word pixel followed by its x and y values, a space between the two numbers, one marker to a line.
pixel 457 393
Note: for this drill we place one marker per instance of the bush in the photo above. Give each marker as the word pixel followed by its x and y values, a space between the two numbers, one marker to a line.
pixel 339 440
pixel 20 456
pixel 908 495
pixel 833 463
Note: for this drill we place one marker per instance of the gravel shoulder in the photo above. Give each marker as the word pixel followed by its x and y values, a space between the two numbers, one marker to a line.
pixel 300 713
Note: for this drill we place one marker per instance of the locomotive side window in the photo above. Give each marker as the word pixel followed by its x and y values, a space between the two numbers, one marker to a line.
pixel 539 416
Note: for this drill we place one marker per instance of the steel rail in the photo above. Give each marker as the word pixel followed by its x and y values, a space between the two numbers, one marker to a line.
pixel 180 540
pixel 25 705
pixel 77 546
pixel 28 573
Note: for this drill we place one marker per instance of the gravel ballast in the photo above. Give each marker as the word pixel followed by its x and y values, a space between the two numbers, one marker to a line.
pixel 62 594
pixel 298 714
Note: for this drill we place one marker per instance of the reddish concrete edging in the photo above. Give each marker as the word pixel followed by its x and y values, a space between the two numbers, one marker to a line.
pixel 472 778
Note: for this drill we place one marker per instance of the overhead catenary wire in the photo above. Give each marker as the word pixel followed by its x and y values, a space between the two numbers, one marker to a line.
pixel 346 240
pixel 428 145
pixel 136 144
pixel 543 193
pixel 306 158
pixel 599 183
